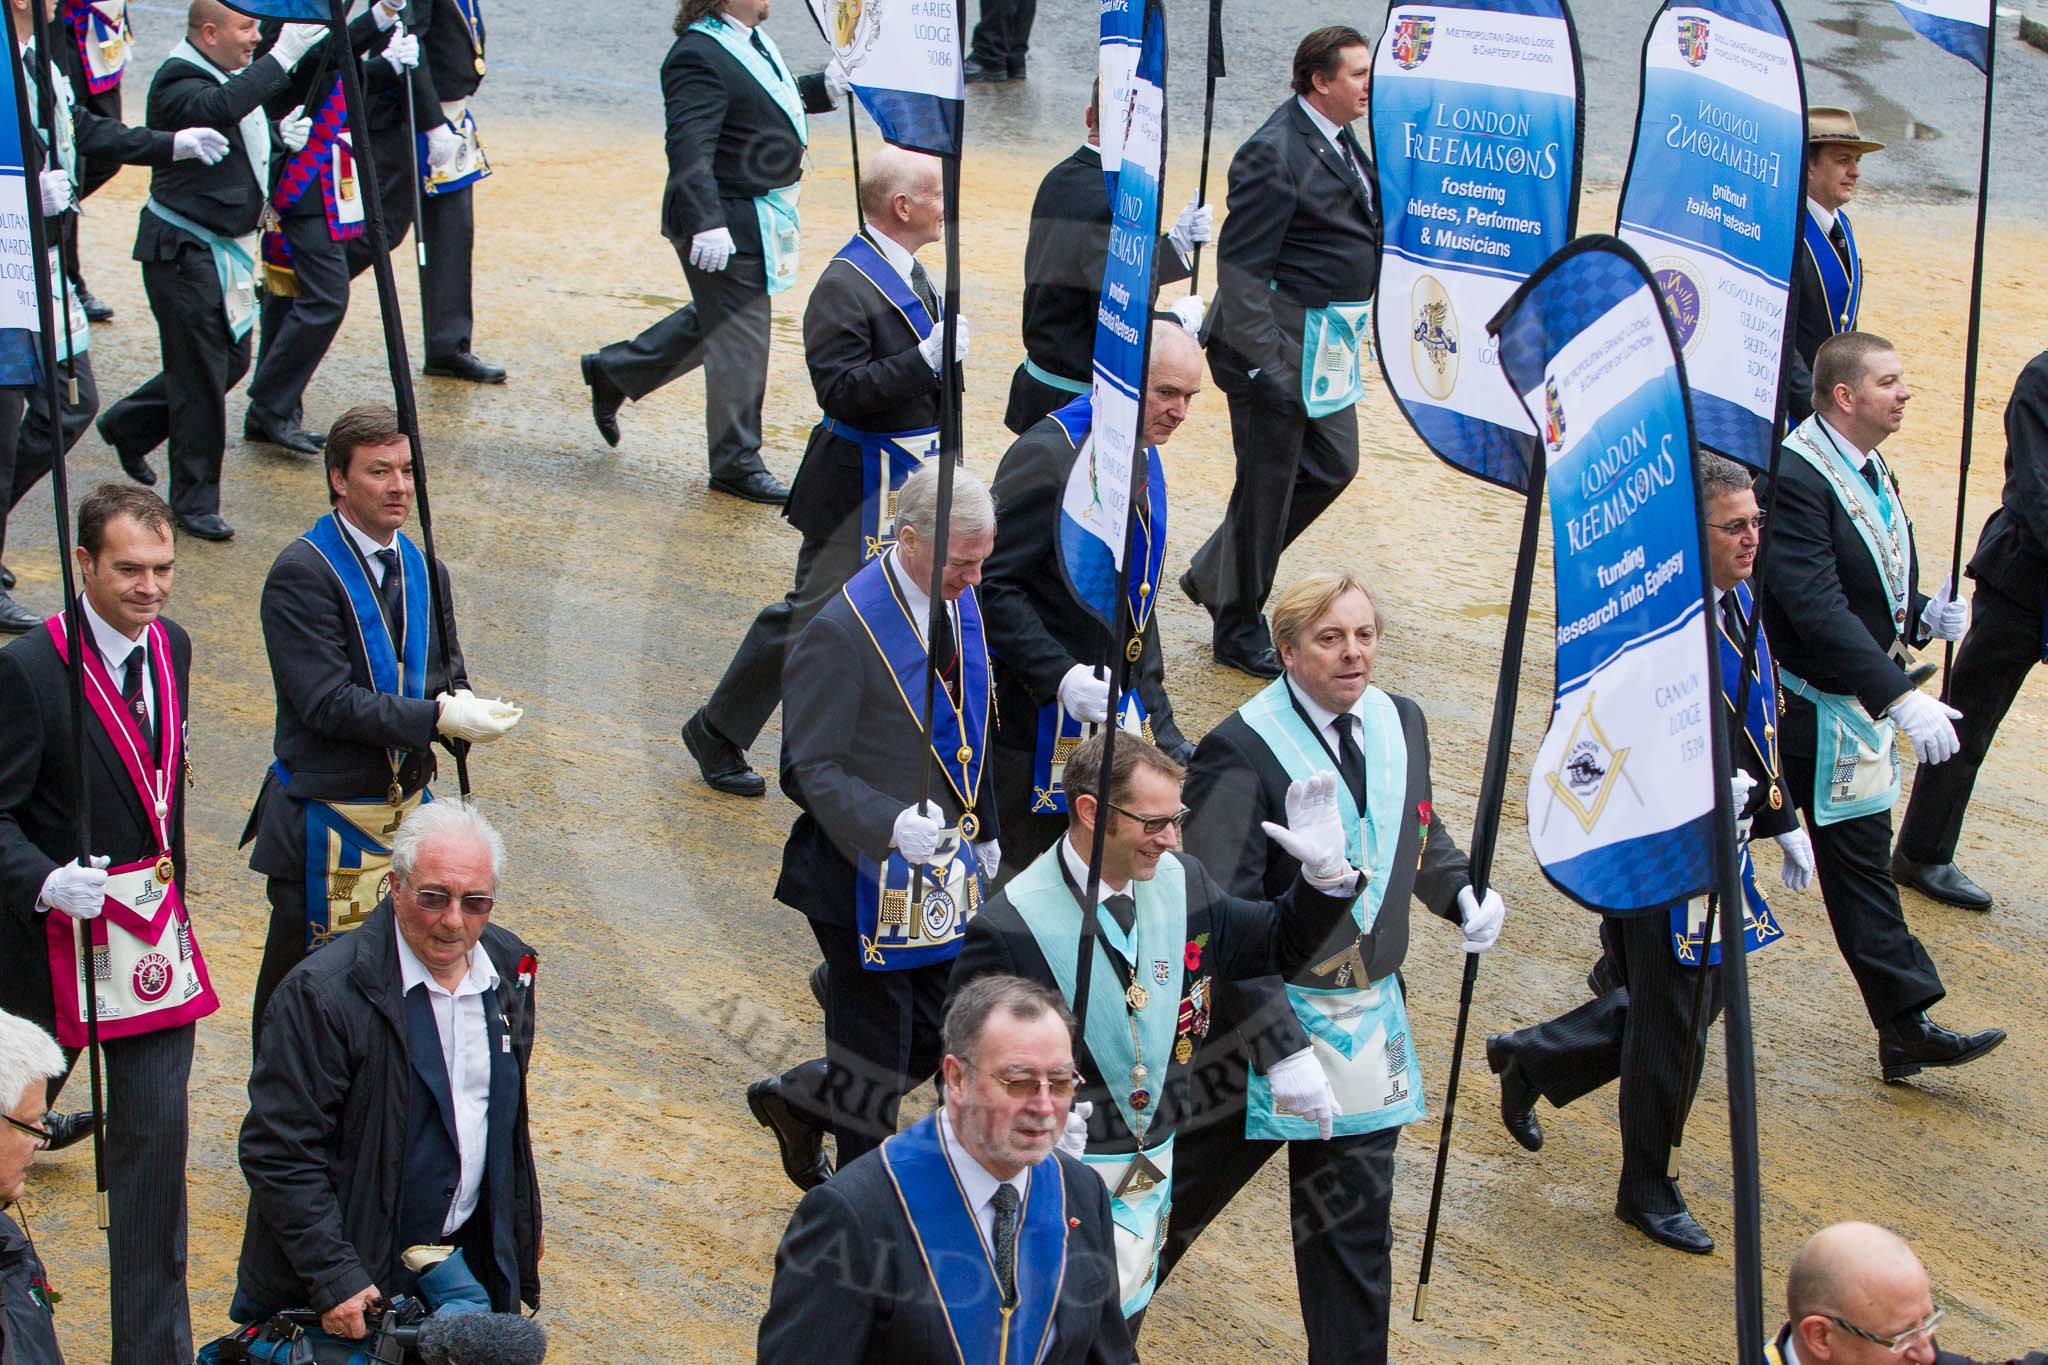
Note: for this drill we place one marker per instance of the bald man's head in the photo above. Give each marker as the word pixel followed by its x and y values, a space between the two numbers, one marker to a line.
pixel 1861 1274
pixel 225 37
pixel 1173 376
pixel 902 194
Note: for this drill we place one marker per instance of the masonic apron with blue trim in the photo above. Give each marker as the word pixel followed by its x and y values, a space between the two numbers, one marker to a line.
pixel 895 933
pixel 961 1263
pixel 1856 763
pixel 348 843
pixel 1842 287
pixel 776 212
pixel 1360 1032
pixel 887 458
pixel 1333 338
pixel 1134 1048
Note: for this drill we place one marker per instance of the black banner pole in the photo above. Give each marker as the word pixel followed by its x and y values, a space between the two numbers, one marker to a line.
pixel 1215 65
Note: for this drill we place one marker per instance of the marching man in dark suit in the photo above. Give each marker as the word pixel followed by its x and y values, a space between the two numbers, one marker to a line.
pixel 362 694
pixel 2008 635
pixel 736 146
pixel 1843 604
pixel 198 243
pixel 1052 684
pixel 872 339
pixel 451 35
pixel 1167 934
pixel 912 1219
pixel 888 884
pixel 1636 1031
pixel 126 899
pixel 1320 1059
pixel 1296 266
pixel 1827 272
pixel 1064 258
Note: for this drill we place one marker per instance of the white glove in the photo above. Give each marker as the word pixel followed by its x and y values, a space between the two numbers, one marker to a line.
pixel 1944 616
pixel 711 249
pixel 384 14
pixel 294 41
pixel 444 145
pixel 1074 1141
pixel 1300 1087
pixel 464 715
pixel 79 892
pixel 1314 833
pixel 1480 919
pixel 56 184
pixel 837 82
pixel 1084 693
pixel 293 130
pixel 1189 311
pixel 1797 873
pixel 1740 785
pixel 916 835
pixel 1929 724
pixel 1197 223
pixel 403 51
pixel 933 346
pixel 989 853
pixel 207 145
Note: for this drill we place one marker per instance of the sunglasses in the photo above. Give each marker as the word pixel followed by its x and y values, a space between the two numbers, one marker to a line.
pixel 1025 1085
pixel 1154 825
pixel 436 902
pixel 43 1137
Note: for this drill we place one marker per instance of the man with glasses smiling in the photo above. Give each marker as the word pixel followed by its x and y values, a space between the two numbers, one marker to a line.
pixel 29 1057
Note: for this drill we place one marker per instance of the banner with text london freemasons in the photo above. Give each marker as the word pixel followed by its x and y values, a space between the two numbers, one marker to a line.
pixel 903 57
pixel 20 324
pixel 1477 122
pixel 1621 795
pixel 1713 200
pixel 1095 510
pixel 1121 38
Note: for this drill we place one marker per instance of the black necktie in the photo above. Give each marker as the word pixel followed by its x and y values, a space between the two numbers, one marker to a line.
pixel 1870 475
pixel 131 693
pixel 1350 758
pixel 945 652
pixel 1356 155
pixel 921 285
pixel 766 56
pixel 1005 1202
pixel 1731 616
pixel 391 592
pixel 1840 239
pixel 1123 910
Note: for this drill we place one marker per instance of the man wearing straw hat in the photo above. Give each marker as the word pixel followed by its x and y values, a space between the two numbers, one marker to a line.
pixel 1827 272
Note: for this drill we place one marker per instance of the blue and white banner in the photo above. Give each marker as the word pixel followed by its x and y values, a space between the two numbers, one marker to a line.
pixel 1476 127
pixel 1713 201
pixel 1116 66
pixel 1621 794
pixel 1961 26
pixel 1095 510
pixel 290 11
pixel 20 324
pixel 903 57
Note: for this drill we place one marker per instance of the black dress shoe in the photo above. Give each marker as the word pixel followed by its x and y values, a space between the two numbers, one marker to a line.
pixel 1919 673
pixel 1189 590
pixel 974 73
pixel 15 618
pixel 818 984
pixel 756 486
pixel 1680 1231
pixel 1911 1044
pixel 67 1130
pixel 95 311
pixel 723 763
pixel 464 366
pixel 258 426
pixel 207 526
pixel 1017 68
pixel 1261 662
pixel 6 579
pixel 1517 1096
pixel 135 466
pixel 605 398
pixel 1944 882
pixel 803 1147
pixel 1604 976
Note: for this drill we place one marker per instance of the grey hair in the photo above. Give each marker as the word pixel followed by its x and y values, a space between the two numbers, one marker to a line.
pixel 1021 998
pixel 434 820
pixel 27 1055
pixel 1721 477
pixel 917 503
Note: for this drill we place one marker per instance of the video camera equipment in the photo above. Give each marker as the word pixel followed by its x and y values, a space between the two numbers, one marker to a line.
pixel 403 1333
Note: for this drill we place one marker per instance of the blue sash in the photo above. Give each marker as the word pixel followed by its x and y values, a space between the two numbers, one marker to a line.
pixel 405 677
pixel 962 1264
pixel 1360 1032
pixel 1843 288
pixel 1332 338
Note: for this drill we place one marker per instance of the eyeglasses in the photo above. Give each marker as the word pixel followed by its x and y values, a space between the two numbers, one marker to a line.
pixel 1900 1344
pixel 1741 525
pixel 1154 825
pixel 42 1136
pixel 435 902
pixel 1025 1085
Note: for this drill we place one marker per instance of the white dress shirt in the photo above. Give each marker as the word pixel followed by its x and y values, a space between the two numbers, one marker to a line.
pixel 1860 458
pixel 1330 130
pixel 893 252
pixel 466 1054
pixel 1325 720
pixel 918 600
pixel 978 1185
pixel 114 649
pixel 1825 217
pixel 369 547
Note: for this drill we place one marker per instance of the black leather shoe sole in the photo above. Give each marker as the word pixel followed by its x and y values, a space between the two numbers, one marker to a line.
pixel 68 1130
pixel 1679 1231
pixel 139 470
pixel 1942 882
pixel 1977 1045
pixel 6 579
pixel 298 442
pixel 605 400
pixel 1265 664
pixel 1517 1097
pixel 818 984
pixel 206 528
pixel 801 1146
pixel 761 487
pixel 467 368
pixel 705 747
pixel 15 618
pixel 1192 593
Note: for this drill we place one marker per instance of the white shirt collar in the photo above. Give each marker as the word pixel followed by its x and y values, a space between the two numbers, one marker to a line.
pixel 736 21
pixel 893 251
pixel 1315 116
pixel 1317 713
pixel 1791 1355
pixel 976 1182
pixel 1862 457
pixel 1825 217
pixel 1091 149
pixel 480 977
pixel 1077 868
pixel 914 595
pixel 363 542
pixel 113 646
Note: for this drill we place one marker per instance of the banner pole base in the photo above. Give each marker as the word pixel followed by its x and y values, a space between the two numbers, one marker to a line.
pixel 1671 1163
pixel 100 1200
pixel 1421 1301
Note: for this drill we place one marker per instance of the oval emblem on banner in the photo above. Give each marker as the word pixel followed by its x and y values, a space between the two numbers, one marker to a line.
pixel 1433 337
pixel 152 978
pixel 1683 299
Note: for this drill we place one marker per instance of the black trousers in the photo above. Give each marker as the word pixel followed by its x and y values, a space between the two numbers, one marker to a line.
pixel 2000 649
pixel 147 1127
pixel 28 439
pixel 185 403
pixel 1636 1034
pixel 724 328
pixel 1340 1196
pixel 1289 468
pixel 1003 37
pixel 448 227
pixel 881 1042
pixel 94 172
pixel 1853 863
pixel 284 946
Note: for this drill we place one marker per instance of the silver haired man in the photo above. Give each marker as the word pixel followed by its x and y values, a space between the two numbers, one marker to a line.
pixel 28 1059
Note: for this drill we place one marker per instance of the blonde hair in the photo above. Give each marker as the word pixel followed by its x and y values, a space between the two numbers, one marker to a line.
pixel 1304 601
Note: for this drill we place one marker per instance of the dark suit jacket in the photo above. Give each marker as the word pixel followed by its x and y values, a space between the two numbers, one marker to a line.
pixel 1824 604
pixel 447 70
pixel 1233 784
pixel 1302 232
pixel 728 142
pixel 1231 938
pixel 382 88
pixel 1035 627
pixel 333 726
pixel 867 373
pixel 850 751
pixel 98 138
pixel 225 197
pixel 1811 325
pixel 2012 554
pixel 851 1286
pixel 38 795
